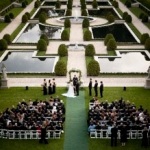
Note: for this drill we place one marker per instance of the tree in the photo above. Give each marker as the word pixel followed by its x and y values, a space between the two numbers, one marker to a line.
pixel 90 50
pixel 144 37
pixel 85 23
pixel 128 3
pixel 67 23
pixel 147 44
pixel 108 37
pixel 3 44
pixel 44 37
pixel 65 35
pixel 62 50
pixel 24 18
pixel 7 19
pixel 42 45
pixel 93 68
pixel 7 37
pixel 87 35
pixel 60 68
pixel 37 4
pixel 111 45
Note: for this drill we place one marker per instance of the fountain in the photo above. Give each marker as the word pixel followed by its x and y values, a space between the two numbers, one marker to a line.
pixel 76 46
pixel 52 13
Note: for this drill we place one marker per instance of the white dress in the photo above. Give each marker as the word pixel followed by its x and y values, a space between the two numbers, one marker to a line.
pixel 70 92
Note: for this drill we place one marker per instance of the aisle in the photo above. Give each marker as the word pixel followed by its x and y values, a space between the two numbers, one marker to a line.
pixel 76 137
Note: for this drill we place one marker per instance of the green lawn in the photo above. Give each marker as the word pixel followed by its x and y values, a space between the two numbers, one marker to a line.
pixel 12 96
pixel 3 25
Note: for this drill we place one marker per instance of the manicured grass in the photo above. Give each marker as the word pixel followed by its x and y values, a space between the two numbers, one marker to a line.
pixel 15 11
pixel 3 25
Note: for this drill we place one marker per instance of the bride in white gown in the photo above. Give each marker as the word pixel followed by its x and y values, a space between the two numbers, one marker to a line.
pixel 70 92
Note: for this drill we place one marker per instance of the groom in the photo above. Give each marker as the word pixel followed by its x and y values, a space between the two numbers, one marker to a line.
pixel 77 88
pixel 75 81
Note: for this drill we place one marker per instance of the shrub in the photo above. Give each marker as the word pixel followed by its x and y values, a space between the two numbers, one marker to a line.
pixel 68 12
pixel 42 45
pixel 93 68
pixel 145 18
pixel 60 68
pixel 94 4
pixel 67 23
pixel 125 14
pixel 62 50
pixel 44 37
pixel 3 44
pixel 7 19
pixel 69 5
pixel 90 50
pixel 28 15
pixel 65 35
pixel 42 18
pixel 147 44
pixel 83 6
pixel 11 15
pixel 58 4
pixel 141 15
pixel 111 45
pixel 24 4
pixel 115 4
pixel 128 19
pixel 84 12
pixel 108 37
pixel 85 23
pixel 7 37
pixel 24 18
pixel 128 3
pixel 144 37
pixel 111 18
pixel 37 4
pixel 87 35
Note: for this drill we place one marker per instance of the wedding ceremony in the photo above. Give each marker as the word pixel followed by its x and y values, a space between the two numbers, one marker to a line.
pixel 74 74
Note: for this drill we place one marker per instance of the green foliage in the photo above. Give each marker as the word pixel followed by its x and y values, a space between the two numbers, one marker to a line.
pixel 90 50
pixel 28 15
pixel 60 68
pixel 141 15
pixel 7 19
pixel 145 18
pixel 69 5
pixel 37 4
pixel 3 44
pixel 11 15
pixel 125 14
pixel 42 18
pixel 44 37
pixel 7 37
pixel 147 44
pixel 128 19
pixel 24 4
pixel 85 23
pixel 94 4
pixel 65 35
pixel 62 50
pixel 24 18
pixel 144 37
pixel 111 45
pixel 58 4
pixel 108 37
pixel 111 18
pixel 83 6
pixel 128 3
pixel 42 27
pixel 84 12
pixel 68 12
pixel 42 45
pixel 93 68
pixel 115 4
pixel 67 23
pixel 87 35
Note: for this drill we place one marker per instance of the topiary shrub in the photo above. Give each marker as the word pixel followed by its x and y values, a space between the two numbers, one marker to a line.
pixel 83 6
pixel 62 50
pixel 94 4
pixel 44 37
pixel 67 23
pixel 145 18
pixel 93 68
pixel 24 18
pixel 144 37
pixel 108 37
pixel 42 18
pixel 141 15
pixel 128 19
pixel 87 35
pixel 111 18
pixel 11 15
pixel 84 12
pixel 115 4
pixel 60 68
pixel 28 15
pixel 42 45
pixel 90 50
pixel 128 3
pixel 68 12
pixel 24 4
pixel 7 37
pixel 111 45
pixel 147 44
pixel 58 4
pixel 125 14
pixel 85 23
pixel 65 35
pixel 37 4
pixel 7 19
pixel 3 44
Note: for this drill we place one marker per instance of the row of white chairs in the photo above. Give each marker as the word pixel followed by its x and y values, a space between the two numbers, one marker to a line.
pixel 105 134
pixel 29 134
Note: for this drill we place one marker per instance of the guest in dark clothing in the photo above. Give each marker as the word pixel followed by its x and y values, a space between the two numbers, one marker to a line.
pixel 54 87
pixel 90 87
pixel 145 137
pixel 95 88
pixel 114 132
pixel 77 88
pixel 101 88
pixel 45 87
pixel 49 87
pixel 123 132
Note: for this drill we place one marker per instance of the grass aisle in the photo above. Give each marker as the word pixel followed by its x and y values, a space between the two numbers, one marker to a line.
pixel 76 137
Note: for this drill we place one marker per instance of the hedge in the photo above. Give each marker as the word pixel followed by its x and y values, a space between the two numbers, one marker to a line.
pixel 90 50
pixel 62 50
pixel 60 68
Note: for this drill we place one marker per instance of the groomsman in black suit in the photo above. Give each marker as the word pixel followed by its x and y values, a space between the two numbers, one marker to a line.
pixel 90 87
pixel 96 88
pixel 75 80
pixel 77 88
pixel 101 89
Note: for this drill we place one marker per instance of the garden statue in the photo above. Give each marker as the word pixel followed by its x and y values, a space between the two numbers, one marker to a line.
pixel 4 74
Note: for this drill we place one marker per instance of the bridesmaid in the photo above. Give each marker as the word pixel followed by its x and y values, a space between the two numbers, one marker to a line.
pixel 54 86
pixel 45 87
pixel 49 87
